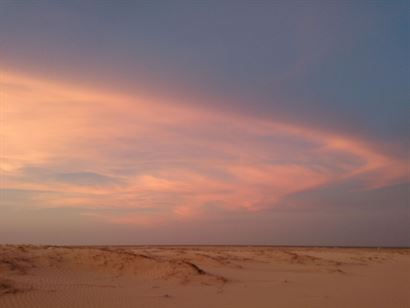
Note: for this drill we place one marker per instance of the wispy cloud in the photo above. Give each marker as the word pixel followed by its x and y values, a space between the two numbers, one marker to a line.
pixel 95 149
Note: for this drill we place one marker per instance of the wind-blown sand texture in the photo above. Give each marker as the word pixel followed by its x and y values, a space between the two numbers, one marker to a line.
pixel 202 276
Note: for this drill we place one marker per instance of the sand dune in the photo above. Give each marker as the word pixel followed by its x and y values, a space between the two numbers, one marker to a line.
pixel 199 276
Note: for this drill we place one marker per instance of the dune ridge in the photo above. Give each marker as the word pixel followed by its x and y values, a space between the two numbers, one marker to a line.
pixel 201 276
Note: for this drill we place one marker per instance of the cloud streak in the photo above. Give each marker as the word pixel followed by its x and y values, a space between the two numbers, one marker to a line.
pixel 97 149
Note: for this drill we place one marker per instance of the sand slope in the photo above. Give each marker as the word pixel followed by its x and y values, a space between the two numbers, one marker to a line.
pixel 190 276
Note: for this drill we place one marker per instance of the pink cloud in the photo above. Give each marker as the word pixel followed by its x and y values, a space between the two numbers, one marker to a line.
pixel 175 159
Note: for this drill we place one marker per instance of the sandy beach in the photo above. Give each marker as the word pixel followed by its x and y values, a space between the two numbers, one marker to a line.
pixel 202 276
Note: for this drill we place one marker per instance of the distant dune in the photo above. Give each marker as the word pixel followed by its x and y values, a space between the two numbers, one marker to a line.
pixel 202 276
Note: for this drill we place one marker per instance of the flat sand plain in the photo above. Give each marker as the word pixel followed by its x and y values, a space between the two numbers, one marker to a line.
pixel 202 276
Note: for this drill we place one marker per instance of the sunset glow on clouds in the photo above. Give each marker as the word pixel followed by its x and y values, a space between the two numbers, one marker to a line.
pixel 181 141
pixel 96 149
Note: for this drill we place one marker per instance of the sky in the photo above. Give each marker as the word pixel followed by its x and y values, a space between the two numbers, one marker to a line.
pixel 205 122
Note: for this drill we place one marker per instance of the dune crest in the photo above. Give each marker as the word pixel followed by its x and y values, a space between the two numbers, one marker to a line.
pixel 201 276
